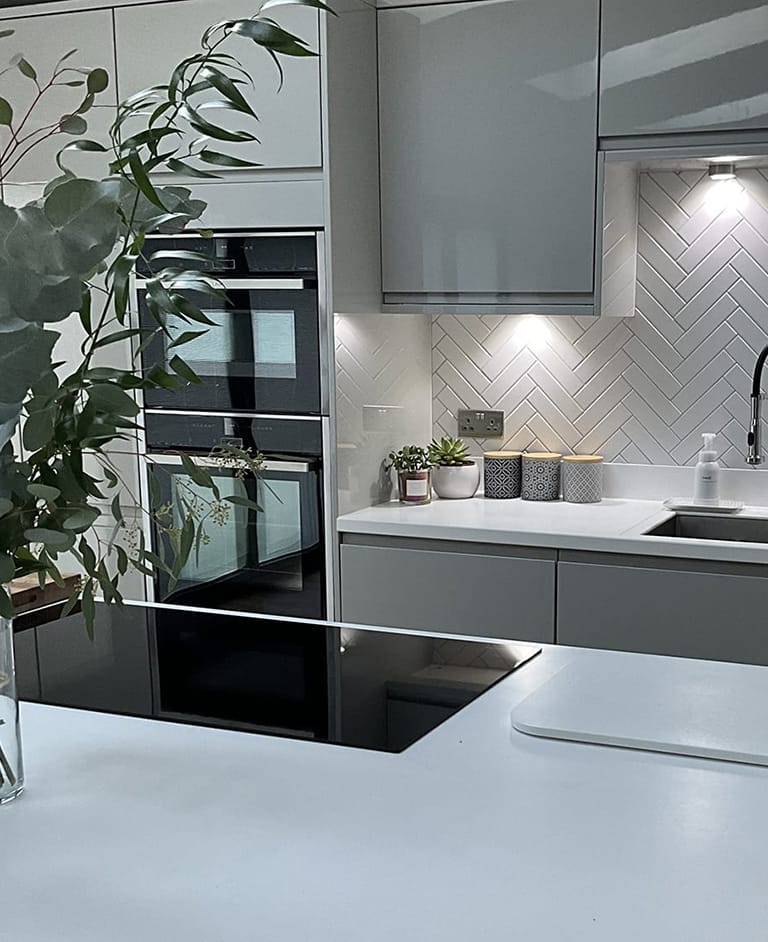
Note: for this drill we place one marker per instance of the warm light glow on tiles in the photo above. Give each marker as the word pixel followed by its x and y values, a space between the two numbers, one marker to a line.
pixel 533 332
pixel 726 195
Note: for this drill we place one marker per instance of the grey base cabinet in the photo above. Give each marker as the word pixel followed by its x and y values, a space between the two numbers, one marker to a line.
pixel 686 608
pixel 25 658
pixel 447 587
pixel 110 672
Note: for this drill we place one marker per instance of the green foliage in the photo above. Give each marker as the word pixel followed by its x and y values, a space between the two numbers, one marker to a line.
pixel 409 458
pixel 448 451
pixel 71 254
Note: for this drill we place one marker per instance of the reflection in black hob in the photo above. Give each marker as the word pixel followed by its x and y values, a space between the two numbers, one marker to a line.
pixel 288 677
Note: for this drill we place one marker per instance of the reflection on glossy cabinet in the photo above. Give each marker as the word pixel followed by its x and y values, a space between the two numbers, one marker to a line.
pixel 678 607
pixel 43 40
pixel 488 118
pixel 110 672
pixel 25 657
pixel 433 585
pixel 289 126
pixel 687 65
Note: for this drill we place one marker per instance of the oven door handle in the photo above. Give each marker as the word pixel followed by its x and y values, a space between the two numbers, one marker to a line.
pixel 271 464
pixel 247 284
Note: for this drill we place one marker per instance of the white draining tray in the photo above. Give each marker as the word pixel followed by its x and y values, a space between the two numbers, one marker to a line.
pixel 688 503
pixel 695 708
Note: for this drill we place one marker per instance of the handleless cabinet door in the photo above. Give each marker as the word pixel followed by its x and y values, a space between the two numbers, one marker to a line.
pixel 681 608
pixel 43 40
pixel 430 589
pixel 25 657
pixel 687 65
pixel 151 40
pixel 488 116
pixel 109 672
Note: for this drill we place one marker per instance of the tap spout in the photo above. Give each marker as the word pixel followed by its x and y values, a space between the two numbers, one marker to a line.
pixel 754 455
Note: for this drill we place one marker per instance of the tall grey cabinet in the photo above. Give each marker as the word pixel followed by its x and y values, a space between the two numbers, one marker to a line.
pixel 690 65
pixel 488 122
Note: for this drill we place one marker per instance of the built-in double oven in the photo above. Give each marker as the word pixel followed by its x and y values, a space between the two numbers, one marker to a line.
pixel 263 365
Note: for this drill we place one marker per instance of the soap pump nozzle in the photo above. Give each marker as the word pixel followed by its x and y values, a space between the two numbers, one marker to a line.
pixel 708 452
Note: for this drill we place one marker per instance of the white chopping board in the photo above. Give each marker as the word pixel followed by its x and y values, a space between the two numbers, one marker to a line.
pixel 695 708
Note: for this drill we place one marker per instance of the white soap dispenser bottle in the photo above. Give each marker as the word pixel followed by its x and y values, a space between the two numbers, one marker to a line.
pixel 706 488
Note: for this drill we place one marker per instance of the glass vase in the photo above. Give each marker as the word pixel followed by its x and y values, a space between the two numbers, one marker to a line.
pixel 11 765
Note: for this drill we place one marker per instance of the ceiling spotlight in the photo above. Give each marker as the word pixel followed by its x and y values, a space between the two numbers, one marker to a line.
pixel 722 171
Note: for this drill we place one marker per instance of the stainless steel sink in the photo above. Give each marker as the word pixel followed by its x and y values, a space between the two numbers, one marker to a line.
pixel 700 527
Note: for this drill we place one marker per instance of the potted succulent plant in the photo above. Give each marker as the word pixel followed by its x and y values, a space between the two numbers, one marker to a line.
pixel 455 475
pixel 413 474
pixel 66 258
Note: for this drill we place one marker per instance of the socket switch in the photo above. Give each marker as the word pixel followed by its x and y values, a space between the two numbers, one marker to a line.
pixel 488 423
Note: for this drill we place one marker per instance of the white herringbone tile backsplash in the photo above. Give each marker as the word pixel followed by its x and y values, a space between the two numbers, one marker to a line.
pixel 640 389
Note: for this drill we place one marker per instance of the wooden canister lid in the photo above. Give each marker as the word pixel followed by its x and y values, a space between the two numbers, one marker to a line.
pixel 502 454
pixel 583 459
pixel 542 455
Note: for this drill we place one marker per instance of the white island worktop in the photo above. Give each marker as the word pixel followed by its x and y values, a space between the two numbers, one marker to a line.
pixel 132 829
pixel 615 525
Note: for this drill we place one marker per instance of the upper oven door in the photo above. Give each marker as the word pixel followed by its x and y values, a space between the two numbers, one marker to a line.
pixel 262 355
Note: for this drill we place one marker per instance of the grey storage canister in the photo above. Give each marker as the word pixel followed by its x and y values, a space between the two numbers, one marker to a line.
pixel 502 474
pixel 582 479
pixel 541 476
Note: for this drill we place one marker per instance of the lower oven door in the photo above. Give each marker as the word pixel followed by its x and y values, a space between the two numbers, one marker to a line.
pixel 241 672
pixel 270 561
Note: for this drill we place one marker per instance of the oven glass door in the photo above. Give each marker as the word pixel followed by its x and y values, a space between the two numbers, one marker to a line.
pixel 269 561
pixel 262 355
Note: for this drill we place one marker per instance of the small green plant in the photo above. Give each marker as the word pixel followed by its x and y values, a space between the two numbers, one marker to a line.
pixel 409 458
pixel 448 451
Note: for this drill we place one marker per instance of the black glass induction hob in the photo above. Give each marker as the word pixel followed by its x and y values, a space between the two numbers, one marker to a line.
pixel 321 681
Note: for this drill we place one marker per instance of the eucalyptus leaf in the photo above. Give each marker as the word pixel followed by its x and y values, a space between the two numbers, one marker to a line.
pixel 97 81
pixel 53 538
pixel 6 112
pixel 73 124
pixel 26 69
pixel 7 568
pixel 44 491
pixel 82 519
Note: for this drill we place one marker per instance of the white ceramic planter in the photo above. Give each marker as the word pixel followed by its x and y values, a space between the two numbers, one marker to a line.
pixel 456 482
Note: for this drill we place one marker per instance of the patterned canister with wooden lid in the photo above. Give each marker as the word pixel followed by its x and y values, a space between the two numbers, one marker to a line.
pixel 541 475
pixel 583 479
pixel 502 474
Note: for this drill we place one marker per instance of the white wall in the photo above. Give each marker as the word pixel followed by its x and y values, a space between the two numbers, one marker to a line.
pixel 383 398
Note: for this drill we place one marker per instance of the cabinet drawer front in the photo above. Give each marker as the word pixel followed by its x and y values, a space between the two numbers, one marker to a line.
pixel 488 122
pixel 683 613
pixel 486 596
pixel 691 65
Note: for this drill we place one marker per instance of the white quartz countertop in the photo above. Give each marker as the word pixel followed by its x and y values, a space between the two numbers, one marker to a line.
pixel 615 525
pixel 132 829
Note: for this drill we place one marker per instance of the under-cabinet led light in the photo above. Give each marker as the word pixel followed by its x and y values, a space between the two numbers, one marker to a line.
pixel 722 171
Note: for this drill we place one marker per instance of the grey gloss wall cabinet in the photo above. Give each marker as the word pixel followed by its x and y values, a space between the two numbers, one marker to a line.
pixel 44 40
pixel 687 65
pixel 488 119
pixel 152 39
pixel 688 608
pixel 447 587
